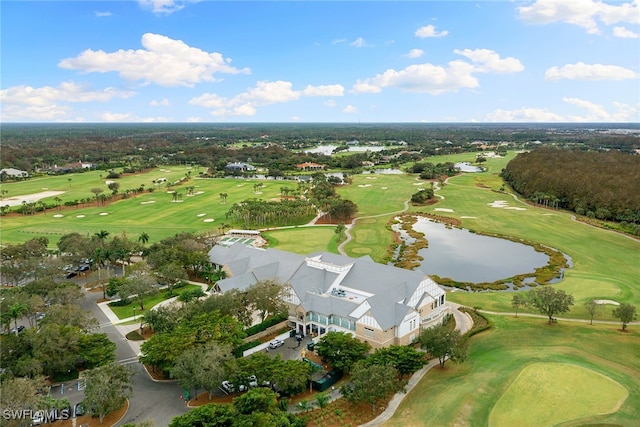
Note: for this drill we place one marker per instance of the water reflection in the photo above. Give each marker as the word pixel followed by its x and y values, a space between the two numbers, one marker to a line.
pixel 467 257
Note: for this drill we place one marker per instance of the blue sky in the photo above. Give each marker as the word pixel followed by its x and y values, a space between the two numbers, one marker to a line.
pixel 330 61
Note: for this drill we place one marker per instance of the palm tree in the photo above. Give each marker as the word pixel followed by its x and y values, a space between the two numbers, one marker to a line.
pixel 143 238
pixel 101 235
pixel 58 201
pixel 101 256
pixel 16 311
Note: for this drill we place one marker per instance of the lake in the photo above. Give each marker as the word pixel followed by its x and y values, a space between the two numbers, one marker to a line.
pixel 468 257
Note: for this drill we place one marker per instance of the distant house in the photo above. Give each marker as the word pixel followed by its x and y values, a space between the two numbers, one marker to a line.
pixel 70 167
pixel 239 167
pixel 376 303
pixel 367 163
pixel 309 166
pixel 14 173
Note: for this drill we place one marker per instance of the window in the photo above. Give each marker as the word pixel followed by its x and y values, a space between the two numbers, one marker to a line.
pixel 368 332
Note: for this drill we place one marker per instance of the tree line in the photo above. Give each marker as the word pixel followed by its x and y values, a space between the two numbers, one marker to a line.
pixel 599 184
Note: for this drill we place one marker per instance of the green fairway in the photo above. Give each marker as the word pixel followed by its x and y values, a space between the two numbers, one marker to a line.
pixel 156 213
pixel 467 394
pixel 303 240
pixel 562 392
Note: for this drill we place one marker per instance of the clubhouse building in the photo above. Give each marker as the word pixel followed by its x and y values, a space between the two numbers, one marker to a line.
pixel 379 304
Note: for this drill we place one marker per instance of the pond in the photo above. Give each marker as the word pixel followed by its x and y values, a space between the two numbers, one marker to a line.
pixel 327 150
pixel 467 167
pixel 468 257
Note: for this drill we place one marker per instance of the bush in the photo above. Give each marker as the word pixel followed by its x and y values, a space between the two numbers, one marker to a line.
pixel 266 324
pixel 237 352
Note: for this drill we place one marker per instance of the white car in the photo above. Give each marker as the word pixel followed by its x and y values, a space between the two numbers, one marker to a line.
pixel 275 344
pixel 230 388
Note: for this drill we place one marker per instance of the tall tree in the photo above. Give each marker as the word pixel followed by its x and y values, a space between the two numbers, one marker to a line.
pixel 547 300
pixel 266 298
pixel 341 350
pixel 592 307
pixel 518 301
pixel 371 384
pixel 107 389
pixel 444 343
pixel 626 313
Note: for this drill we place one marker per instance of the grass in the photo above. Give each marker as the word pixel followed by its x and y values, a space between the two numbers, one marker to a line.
pixel 562 392
pixel 303 240
pixel 153 213
pixel 126 311
pixel 466 394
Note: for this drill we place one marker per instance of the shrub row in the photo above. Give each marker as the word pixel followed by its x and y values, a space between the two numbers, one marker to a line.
pixel 274 320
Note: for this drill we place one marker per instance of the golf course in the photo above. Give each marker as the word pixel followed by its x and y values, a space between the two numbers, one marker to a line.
pixel 521 372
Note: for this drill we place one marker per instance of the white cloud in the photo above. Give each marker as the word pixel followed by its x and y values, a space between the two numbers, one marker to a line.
pixel 582 71
pixel 163 61
pixel 624 33
pixel 435 79
pixel 326 90
pixel 350 109
pixel 166 7
pixel 594 113
pixel 359 42
pixel 582 13
pixel 597 113
pixel 331 103
pixel 102 14
pixel 132 118
pixel 50 112
pixel 264 93
pixel 366 87
pixel 523 115
pixel 65 92
pixel 488 60
pixel 338 41
pixel 162 103
pixel 415 53
pixel 429 31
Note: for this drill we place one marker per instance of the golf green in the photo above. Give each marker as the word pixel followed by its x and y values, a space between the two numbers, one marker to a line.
pixel 545 394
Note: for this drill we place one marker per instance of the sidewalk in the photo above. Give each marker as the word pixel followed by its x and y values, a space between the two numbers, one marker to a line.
pixel 124 328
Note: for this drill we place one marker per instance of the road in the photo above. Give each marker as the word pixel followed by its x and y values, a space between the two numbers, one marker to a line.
pixel 158 401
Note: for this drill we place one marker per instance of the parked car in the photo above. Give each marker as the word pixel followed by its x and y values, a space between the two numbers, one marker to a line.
pixel 275 344
pixel 229 387
pixel 17 330
pixel 71 274
pixel 84 267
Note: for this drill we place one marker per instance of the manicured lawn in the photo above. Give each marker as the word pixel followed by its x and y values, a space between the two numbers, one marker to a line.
pixel 156 213
pixel 126 311
pixel 562 392
pixel 468 393
pixel 304 240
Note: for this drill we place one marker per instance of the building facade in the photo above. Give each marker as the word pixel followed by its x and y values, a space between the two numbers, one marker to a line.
pixel 379 304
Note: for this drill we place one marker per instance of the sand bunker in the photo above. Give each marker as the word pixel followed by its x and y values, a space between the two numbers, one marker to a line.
pixel 503 204
pixel 58 216
pixel 29 198
pixel 103 213
pixel 468 217
pixel 372 177
pixel 200 215
pixel 444 210
pixel 364 185
pixel 79 216
pixel 208 220
pixel 147 202
pixel 384 188
pixel 606 301
pixel 418 183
